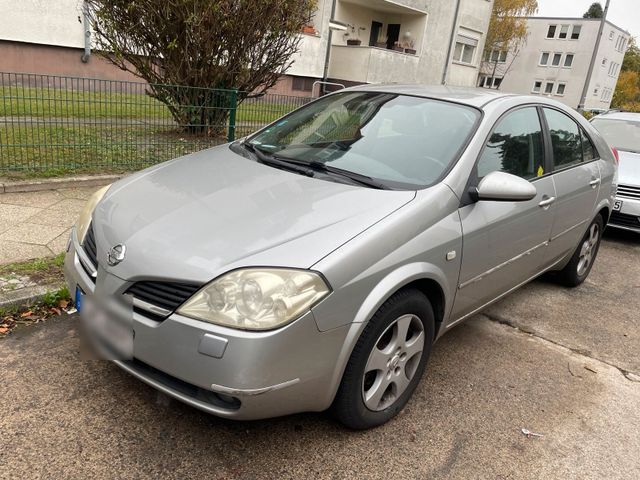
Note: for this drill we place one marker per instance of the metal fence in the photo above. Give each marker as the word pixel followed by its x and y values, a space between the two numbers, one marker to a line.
pixel 53 125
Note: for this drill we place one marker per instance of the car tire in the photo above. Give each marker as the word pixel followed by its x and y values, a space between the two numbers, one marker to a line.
pixel 578 268
pixel 369 396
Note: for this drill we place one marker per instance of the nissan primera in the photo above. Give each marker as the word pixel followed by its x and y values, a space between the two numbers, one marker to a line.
pixel 313 264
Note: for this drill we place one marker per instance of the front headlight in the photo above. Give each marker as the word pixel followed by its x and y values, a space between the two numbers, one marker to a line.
pixel 256 298
pixel 84 220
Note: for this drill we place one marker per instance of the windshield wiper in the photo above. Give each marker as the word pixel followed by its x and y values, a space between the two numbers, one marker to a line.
pixel 327 169
pixel 272 161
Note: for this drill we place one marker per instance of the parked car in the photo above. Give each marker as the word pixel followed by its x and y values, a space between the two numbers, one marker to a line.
pixel 314 263
pixel 622 131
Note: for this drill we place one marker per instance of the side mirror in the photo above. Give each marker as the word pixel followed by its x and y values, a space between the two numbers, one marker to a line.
pixel 504 187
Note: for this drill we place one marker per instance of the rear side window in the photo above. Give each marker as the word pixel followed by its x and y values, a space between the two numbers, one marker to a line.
pixel 515 146
pixel 565 139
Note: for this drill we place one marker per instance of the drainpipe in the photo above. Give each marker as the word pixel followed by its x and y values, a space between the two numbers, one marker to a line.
pixel 585 89
pixel 87 34
pixel 445 72
pixel 327 57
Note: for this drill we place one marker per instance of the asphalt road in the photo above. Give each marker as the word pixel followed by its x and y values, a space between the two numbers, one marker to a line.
pixel 565 363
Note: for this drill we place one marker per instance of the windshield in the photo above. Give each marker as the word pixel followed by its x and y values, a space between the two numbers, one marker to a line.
pixel 402 141
pixel 620 134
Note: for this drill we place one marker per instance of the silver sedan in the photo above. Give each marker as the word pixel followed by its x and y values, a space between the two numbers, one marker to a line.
pixel 313 264
pixel 622 131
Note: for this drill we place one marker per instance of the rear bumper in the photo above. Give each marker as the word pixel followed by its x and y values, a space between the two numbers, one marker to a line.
pixel 230 373
pixel 628 218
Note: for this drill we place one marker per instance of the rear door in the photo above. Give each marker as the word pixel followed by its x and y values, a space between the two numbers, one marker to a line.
pixel 577 180
pixel 505 243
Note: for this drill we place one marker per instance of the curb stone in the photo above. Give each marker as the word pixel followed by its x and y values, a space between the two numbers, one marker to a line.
pixel 55 183
pixel 27 296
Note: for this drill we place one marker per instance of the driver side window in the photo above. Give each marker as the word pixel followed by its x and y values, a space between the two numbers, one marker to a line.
pixel 515 146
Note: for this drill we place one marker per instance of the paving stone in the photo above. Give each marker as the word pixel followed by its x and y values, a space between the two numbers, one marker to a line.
pixel 81 193
pixel 54 217
pixel 59 244
pixel 11 252
pixel 42 199
pixel 13 214
pixel 32 233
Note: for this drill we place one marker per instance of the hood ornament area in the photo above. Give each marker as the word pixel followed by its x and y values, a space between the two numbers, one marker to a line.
pixel 116 254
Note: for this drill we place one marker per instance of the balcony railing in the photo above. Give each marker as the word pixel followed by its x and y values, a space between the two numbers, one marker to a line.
pixel 372 65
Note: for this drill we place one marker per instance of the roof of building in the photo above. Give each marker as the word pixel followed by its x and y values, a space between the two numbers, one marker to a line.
pixel 475 97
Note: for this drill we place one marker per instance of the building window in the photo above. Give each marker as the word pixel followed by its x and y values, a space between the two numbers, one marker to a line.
pixel 564 29
pixel 613 69
pixel 568 60
pixel 575 33
pixel 561 88
pixel 595 92
pixel 465 49
pixel 488 82
pixel 537 86
pixel 548 88
pixel 556 59
pixel 551 33
pixel 544 59
pixel 604 62
pixel 497 82
pixel 302 84
pixel 611 35
pixel 498 56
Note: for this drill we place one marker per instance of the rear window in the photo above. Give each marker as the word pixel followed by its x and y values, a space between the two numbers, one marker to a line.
pixel 620 134
pixel 400 140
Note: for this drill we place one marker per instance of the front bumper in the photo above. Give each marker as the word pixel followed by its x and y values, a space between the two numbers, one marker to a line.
pixel 628 218
pixel 223 371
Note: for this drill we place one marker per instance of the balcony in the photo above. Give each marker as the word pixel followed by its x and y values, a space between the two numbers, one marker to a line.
pixel 372 65
pixel 382 24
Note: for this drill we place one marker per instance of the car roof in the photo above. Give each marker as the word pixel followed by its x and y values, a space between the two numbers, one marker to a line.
pixel 475 97
pixel 626 116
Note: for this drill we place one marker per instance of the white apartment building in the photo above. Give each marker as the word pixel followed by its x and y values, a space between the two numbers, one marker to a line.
pixel 408 41
pixel 554 61
pixel 403 41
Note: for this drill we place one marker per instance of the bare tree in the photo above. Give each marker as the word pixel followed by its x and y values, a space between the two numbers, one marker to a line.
pixel 243 45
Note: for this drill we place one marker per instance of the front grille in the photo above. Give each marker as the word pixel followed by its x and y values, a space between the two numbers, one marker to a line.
pixel 625 220
pixel 167 295
pixel 628 191
pixel 91 250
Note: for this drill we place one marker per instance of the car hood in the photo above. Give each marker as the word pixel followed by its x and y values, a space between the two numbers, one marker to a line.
pixel 629 168
pixel 198 216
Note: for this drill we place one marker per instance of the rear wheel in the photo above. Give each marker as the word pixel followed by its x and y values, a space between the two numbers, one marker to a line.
pixel 387 362
pixel 578 268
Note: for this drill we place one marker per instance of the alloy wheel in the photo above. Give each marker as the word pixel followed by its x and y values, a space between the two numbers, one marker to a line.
pixel 588 249
pixel 393 362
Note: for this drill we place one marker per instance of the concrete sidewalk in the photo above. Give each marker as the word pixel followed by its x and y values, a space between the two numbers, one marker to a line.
pixel 37 224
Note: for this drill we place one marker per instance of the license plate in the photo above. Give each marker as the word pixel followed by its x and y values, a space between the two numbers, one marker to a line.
pixel 617 205
pixel 78 298
pixel 111 338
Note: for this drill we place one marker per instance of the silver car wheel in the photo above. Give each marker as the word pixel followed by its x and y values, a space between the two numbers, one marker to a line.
pixel 588 249
pixel 393 362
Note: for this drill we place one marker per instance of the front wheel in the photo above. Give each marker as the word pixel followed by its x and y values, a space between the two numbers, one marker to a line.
pixel 387 362
pixel 578 268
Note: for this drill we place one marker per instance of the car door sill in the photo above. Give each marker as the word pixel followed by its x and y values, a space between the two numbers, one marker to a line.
pixel 499 297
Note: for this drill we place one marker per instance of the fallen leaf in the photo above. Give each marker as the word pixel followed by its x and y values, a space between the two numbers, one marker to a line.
pixel 63 304
pixel 26 314
pixel 56 310
pixel 4 329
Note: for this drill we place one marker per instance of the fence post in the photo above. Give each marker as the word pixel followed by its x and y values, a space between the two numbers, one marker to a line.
pixel 231 135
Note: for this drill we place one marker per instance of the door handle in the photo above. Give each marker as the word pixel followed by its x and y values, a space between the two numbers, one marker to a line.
pixel 594 183
pixel 546 203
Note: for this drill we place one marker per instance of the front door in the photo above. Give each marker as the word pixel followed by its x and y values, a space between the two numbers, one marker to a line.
pixel 505 243
pixel 577 180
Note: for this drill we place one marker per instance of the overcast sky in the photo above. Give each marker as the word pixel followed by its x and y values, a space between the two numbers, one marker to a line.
pixel 624 13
